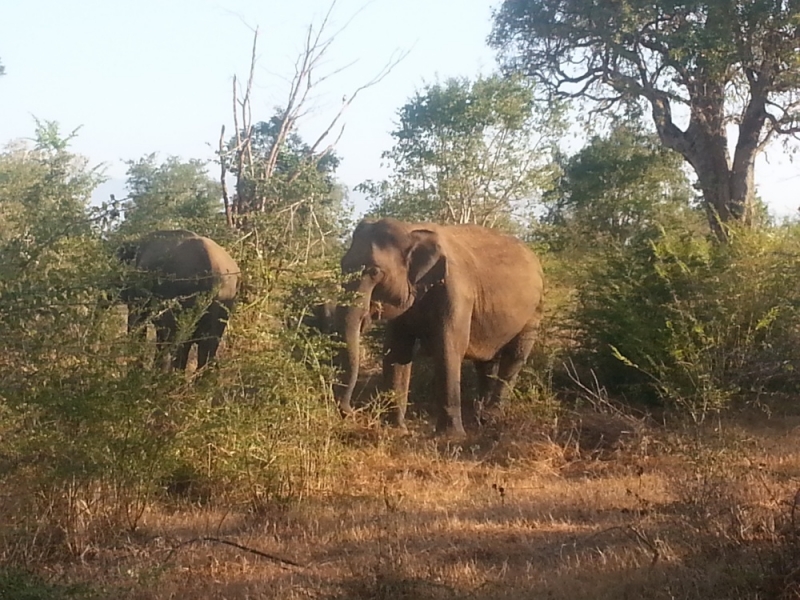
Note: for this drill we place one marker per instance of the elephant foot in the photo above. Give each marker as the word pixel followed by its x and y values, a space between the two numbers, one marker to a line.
pixel 451 427
pixel 455 434
pixel 451 431
pixel 401 429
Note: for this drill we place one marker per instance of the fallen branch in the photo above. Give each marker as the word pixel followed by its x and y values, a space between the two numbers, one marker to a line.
pixel 278 559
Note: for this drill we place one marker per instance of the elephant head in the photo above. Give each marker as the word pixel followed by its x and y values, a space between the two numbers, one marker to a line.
pixel 389 266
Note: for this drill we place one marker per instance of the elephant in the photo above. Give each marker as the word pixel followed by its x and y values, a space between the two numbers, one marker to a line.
pixel 461 291
pixel 182 266
pixel 322 317
pixel 328 318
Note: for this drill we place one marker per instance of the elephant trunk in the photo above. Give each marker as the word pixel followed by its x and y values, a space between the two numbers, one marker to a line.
pixel 351 324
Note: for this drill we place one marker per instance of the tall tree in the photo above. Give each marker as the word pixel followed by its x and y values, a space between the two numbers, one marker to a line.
pixel 171 194
pixel 465 152
pixel 299 182
pixel 239 157
pixel 613 189
pixel 717 61
pixel 289 190
pixel 50 240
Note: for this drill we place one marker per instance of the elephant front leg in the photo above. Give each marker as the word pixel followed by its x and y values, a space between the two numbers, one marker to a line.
pixel 449 356
pixel 166 335
pixel 137 329
pixel 397 359
pixel 163 346
pixel 397 378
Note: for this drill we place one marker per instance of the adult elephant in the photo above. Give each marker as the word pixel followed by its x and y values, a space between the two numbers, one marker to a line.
pixel 463 291
pixel 187 268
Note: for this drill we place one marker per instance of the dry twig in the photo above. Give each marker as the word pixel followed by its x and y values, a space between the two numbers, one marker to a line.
pixel 278 559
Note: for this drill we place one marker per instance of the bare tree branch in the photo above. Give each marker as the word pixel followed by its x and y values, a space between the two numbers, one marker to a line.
pixel 256 185
pixel 223 168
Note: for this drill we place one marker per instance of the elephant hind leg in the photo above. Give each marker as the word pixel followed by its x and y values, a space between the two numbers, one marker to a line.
pixel 512 358
pixel 209 333
pixel 487 372
pixel 206 351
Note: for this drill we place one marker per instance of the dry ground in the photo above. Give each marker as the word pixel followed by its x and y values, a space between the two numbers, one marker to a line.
pixel 607 509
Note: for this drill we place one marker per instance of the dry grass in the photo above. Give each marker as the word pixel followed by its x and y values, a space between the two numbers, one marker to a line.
pixel 698 515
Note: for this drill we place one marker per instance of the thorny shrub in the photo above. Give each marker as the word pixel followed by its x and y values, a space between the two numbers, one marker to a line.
pixel 89 439
pixel 681 321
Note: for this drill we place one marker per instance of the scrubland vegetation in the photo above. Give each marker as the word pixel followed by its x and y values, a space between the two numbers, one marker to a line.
pixel 650 449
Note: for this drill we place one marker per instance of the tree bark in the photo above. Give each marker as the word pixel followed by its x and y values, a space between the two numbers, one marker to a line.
pixel 728 186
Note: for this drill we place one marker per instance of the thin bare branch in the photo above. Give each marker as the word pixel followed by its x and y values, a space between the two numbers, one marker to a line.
pixel 223 171
pixel 380 76
pixel 278 559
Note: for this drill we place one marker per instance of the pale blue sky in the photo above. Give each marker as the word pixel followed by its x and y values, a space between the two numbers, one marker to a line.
pixel 155 75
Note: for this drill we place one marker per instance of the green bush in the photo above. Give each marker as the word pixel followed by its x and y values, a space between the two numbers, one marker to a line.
pixel 19 584
pixel 88 439
pixel 677 319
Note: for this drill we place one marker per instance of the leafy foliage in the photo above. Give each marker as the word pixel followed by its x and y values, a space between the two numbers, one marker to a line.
pixel 44 189
pixel 661 314
pixel 721 62
pixel 23 585
pixel 287 190
pixel 171 195
pixel 612 190
pixel 88 438
pixel 466 152
pixel 691 323
pixel 298 173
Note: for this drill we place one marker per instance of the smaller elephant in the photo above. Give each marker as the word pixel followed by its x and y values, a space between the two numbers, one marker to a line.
pixel 181 266
pixel 322 317
pixel 328 317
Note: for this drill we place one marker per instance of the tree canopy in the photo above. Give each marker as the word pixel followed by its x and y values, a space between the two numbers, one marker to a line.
pixel 710 64
pixel 614 188
pixel 44 188
pixel 465 152
pixel 172 194
pixel 280 167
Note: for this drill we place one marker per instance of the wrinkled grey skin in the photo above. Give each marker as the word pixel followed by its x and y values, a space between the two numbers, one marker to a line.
pixel 462 291
pixel 180 265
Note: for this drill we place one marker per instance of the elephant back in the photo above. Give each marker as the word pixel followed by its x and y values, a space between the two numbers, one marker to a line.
pixel 188 264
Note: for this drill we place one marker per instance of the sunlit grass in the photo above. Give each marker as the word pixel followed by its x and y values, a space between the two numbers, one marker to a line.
pixel 402 520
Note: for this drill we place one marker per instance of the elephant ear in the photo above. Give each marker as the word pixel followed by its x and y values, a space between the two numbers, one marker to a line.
pixel 426 263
